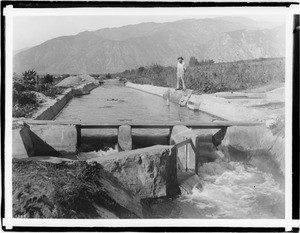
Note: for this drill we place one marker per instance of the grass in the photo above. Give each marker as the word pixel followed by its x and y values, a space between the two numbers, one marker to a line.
pixel 65 190
pixel 217 77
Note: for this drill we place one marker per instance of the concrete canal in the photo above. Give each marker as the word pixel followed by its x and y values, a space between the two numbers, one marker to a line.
pixel 227 189
pixel 125 105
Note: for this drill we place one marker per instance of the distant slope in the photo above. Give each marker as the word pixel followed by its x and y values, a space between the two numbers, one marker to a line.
pixel 20 50
pixel 117 49
pixel 247 44
pixel 250 22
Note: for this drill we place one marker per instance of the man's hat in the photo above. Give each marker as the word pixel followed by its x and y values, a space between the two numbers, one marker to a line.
pixel 180 58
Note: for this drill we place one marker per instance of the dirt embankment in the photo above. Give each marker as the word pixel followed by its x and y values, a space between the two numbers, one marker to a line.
pixel 77 80
pixel 69 189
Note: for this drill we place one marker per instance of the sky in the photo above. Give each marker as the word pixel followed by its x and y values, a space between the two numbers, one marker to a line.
pixel 30 31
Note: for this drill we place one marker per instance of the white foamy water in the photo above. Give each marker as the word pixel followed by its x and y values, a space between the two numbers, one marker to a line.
pixel 240 191
pixel 230 191
pixel 99 153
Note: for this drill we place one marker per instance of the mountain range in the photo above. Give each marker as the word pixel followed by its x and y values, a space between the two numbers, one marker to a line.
pixel 111 50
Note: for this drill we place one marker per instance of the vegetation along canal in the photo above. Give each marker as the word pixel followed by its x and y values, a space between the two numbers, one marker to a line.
pixel 228 189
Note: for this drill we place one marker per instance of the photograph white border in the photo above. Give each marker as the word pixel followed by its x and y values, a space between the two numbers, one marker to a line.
pixel 288 223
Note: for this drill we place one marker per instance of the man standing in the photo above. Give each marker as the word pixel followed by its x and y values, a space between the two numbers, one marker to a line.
pixel 181 68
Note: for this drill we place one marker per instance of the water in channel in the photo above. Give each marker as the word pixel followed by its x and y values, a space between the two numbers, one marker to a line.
pixel 229 189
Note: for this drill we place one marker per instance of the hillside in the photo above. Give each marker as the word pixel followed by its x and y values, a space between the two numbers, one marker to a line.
pixel 117 49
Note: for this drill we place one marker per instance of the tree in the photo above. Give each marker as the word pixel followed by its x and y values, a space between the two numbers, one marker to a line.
pixel 141 70
pixel 29 78
pixel 108 76
pixel 206 62
pixel 193 61
pixel 48 78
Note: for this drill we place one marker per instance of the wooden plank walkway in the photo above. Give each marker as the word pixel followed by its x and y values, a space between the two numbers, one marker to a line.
pixel 145 125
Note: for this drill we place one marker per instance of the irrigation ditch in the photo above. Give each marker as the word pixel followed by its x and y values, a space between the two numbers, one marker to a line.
pixel 75 182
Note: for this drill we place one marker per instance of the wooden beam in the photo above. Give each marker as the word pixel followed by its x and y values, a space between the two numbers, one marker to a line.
pixel 145 125
pixel 183 143
pixel 78 130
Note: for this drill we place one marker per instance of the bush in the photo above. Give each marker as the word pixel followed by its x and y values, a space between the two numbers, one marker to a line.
pixel 49 90
pixel 53 91
pixel 141 70
pixel 24 97
pixel 18 86
pixel 193 62
pixel 94 75
pixel 23 110
pixel 48 79
pixel 30 79
pixel 108 76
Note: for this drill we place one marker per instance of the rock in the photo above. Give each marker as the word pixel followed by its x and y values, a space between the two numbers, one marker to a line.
pixel 149 172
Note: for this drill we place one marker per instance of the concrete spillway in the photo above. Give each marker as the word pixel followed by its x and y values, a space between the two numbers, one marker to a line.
pixel 228 188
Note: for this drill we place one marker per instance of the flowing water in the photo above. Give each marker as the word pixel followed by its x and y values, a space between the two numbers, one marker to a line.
pixel 239 191
pixel 229 189
pixel 121 103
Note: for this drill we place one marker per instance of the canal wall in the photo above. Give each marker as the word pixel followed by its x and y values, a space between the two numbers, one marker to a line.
pixel 51 111
pixel 208 103
pixel 62 138
pixel 148 172
pixel 262 146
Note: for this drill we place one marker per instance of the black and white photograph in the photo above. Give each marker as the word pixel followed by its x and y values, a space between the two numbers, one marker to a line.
pixel 146 114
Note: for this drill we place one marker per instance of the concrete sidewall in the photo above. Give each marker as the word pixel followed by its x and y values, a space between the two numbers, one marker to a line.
pixel 63 138
pixel 53 110
pixel 256 145
pixel 265 149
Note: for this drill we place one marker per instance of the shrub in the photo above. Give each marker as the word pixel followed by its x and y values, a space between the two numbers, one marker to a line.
pixel 42 87
pixel 24 97
pixel 108 76
pixel 48 78
pixel 23 110
pixel 193 61
pixel 94 75
pixel 18 86
pixel 141 70
pixel 30 79
pixel 53 91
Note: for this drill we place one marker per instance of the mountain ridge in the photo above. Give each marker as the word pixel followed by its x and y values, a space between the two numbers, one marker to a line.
pixel 110 50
